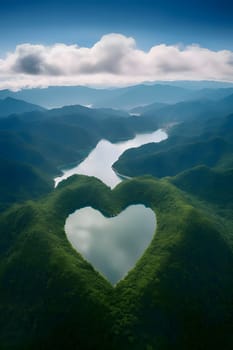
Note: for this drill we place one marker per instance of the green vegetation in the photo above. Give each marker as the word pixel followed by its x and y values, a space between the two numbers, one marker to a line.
pixel 179 295
pixel 193 142
pixel 210 185
pixel 45 141
pixel 51 297
pixel 147 160
pixel 20 182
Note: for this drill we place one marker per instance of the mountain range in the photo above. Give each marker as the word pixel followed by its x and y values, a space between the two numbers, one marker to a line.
pixel 121 98
pixel 179 294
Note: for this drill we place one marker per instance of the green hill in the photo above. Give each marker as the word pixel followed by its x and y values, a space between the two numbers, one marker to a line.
pixel 207 184
pixel 20 182
pixel 190 143
pixel 147 160
pixel 50 297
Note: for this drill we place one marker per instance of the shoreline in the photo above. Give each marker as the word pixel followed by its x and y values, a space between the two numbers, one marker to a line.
pixel 141 142
pixel 121 176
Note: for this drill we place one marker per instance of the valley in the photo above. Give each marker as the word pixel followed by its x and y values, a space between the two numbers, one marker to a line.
pixel 176 161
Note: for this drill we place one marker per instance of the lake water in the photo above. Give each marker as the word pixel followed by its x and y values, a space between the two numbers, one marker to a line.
pixel 99 161
pixel 111 245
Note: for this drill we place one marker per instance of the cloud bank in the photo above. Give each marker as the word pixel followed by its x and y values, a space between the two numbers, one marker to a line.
pixel 114 60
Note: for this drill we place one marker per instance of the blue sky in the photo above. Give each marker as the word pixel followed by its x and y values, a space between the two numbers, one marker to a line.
pixel 114 43
pixel 208 23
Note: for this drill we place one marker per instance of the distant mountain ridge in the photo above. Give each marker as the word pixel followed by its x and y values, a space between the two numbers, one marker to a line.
pixel 200 109
pixel 123 98
pixel 10 105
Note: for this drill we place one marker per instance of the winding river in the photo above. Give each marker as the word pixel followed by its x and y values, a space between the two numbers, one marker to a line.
pixel 99 162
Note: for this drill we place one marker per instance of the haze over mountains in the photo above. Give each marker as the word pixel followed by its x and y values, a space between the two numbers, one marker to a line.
pixel 122 98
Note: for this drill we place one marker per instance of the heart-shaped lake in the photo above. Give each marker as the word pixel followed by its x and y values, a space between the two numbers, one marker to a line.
pixel 112 245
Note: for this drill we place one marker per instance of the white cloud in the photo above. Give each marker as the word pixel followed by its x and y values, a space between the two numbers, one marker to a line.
pixel 114 60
